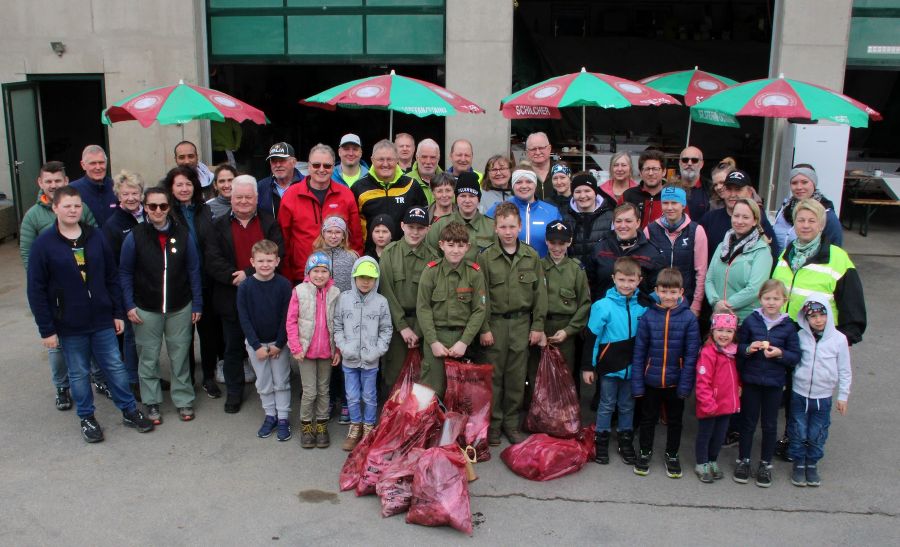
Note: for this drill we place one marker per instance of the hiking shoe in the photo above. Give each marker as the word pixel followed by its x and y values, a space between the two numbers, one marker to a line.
pixel 798 474
pixel 354 435
pixel 764 475
pixel 136 419
pixel 516 436
pixel 703 473
pixel 493 438
pixel 344 419
pixel 153 414
pixel 742 471
pixel 233 403
pixel 366 430
pixel 673 465
pixel 323 439
pixel 781 449
pixel 714 470
pixel 102 389
pixel 812 476
pixel 284 430
pixel 212 389
pixel 186 413
pixel 267 427
pixel 626 446
pixel 642 464
pixel 307 435
pixel 602 448
pixel 732 438
pixel 90 430
pixel 63 399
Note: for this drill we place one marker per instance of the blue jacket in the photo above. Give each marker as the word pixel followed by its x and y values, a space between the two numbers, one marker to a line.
pixel 63 303
pixel 757 369
pixel 99 198
pixel 337 175
pixel 535 218
pixel 613 325
pixel 268 198
pixel 665 350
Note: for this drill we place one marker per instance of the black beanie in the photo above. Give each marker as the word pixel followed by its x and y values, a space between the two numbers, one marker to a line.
pixel 467 182
pixel 584 179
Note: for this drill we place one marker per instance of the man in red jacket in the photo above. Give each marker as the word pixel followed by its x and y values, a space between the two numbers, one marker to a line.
pixel 306 204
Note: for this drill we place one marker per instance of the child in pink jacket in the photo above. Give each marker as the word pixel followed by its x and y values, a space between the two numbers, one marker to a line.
pixel 718 394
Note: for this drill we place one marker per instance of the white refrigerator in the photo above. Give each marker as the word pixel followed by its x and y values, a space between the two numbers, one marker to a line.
pixel 822 145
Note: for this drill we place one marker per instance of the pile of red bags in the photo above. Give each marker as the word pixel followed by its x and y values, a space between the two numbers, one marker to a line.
pixel 542 457
pixel 469 391
pixel 554 405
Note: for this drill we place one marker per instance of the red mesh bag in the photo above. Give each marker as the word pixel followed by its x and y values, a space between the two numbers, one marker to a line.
pixel 395 485
pixel 440 490
pixel 554 405
pixel 543 458
pixel 469 391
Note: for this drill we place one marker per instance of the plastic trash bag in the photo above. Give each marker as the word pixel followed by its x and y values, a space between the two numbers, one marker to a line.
pixel 469 391
pixel 554 406
pixel 543 458
pixel 409 375
pixel 440 490
pixel 395 485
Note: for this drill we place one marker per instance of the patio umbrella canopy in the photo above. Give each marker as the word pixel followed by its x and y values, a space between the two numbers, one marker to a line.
pixel 394 93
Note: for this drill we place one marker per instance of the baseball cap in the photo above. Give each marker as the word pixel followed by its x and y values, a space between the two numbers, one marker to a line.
pixel 558 231
pixel 350 138
pixel 416 215
pixel 366 268
pixel 281 150
pixel 738 178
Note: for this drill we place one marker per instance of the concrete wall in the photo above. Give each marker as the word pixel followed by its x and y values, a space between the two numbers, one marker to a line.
pixel 479 67
pixel 133 43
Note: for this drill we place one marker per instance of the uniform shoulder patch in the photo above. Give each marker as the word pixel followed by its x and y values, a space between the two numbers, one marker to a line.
pixel 432 264
pixel 474 266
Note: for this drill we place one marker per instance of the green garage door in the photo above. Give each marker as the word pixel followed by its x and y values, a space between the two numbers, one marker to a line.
pixel 326 31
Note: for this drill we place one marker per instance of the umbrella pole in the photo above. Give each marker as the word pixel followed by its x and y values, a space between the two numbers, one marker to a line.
pixel 583 141
pixel 391 126
pixel 687 141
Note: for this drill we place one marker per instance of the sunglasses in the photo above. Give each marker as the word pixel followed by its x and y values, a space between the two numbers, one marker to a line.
pixel 318 165
pixel 154 206
pixel 690 160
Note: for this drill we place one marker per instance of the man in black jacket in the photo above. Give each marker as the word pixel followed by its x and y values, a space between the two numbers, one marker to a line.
pixel 228 264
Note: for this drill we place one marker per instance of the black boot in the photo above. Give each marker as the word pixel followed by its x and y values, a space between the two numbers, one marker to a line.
pixel 602 445
pixel 626 446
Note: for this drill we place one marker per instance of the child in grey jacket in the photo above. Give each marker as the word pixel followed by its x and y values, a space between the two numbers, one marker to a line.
pixel 362 331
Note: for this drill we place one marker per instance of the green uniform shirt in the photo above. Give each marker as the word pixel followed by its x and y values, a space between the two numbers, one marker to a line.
pixel 401 266
pixel 480 228
pixel 451 298
pixel 514 285
pixel 568 295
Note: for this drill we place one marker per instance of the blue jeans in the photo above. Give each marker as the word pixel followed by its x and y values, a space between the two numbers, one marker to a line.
pixel 58 368
pixel 615 392
pixel 808 429
pixel 129 353
pixel 358 380
pixel 104 348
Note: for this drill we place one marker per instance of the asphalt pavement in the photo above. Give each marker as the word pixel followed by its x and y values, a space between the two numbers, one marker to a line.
pixel 212 481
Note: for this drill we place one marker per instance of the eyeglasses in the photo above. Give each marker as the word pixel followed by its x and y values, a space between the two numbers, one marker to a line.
pixel 538 148
pixel 498 169
pixel 154 206
pixel 651 169
pixel 690 160
pixel 318 165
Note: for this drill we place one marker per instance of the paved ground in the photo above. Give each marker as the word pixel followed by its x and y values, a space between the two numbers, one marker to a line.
pixel 213 482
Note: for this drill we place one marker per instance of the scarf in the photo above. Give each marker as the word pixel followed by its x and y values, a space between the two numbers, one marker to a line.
pixel 800 253
pixel 733 245
pixel 791 202
pixel 626 244
pixel 671 228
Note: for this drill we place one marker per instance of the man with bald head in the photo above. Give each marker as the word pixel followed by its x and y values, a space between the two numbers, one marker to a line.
pixel 406 147
pixel 426 166
pixel 461 158
pixel 690 162
pixel 538 150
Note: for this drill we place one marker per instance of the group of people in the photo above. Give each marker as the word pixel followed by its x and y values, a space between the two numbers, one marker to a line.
pixel 350 266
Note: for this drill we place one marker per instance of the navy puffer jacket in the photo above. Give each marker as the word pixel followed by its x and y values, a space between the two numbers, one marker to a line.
pixel 757 369
pixel 665 350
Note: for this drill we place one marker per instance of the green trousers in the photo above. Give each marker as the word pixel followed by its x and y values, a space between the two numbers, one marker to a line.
pixel 509 356
pixel 392 361
pixel 176 328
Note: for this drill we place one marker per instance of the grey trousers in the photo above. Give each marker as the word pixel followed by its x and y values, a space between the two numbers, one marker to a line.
pixel 273 381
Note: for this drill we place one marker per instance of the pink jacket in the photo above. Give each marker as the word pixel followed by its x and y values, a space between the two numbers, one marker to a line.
pixel 718 387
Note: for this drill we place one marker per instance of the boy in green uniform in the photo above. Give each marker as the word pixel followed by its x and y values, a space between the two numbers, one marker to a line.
pixel 480 227
pixel 401 266
pixel 517 304
pixel 450 307
pixel 568 297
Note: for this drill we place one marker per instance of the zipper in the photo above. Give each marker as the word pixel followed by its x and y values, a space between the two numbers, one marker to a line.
pixel 812 371
pixel 165 270
pixel 787 309
pixel 528 223
pixel 665 347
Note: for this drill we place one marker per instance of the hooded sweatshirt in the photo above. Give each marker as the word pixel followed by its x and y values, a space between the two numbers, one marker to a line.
pixel 362 324
pixel 824 363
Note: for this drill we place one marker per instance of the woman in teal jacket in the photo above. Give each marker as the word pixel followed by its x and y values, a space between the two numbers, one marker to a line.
pixel 740 264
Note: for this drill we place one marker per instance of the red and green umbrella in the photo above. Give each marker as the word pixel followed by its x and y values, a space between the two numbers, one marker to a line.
pixel 783 98
pixel 544 99
pixel 179 104
pixel 394 93
pixel 695 85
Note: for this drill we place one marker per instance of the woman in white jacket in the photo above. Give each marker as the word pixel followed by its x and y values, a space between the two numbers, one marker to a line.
pixel 824 366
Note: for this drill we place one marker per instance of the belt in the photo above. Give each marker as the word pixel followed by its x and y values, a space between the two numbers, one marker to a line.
pixel 557 316
pixel 454 329
pixel 409 313
pixel 511 315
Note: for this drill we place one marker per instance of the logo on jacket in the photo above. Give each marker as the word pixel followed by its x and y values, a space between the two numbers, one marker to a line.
pixel 684 241
pixel 400 199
